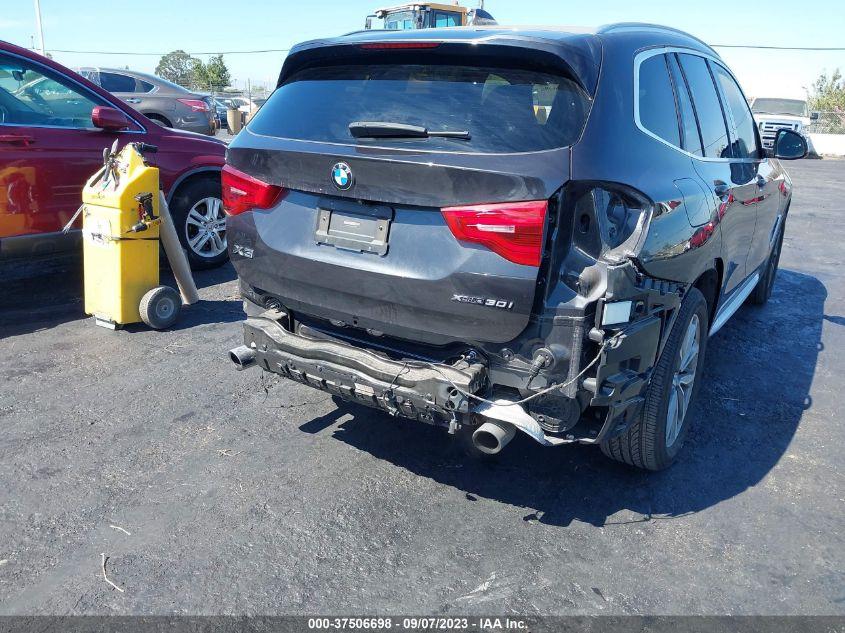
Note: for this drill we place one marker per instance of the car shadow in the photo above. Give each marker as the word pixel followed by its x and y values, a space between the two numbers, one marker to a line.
pixel 740 431
pixel 44 292
pixel 209 277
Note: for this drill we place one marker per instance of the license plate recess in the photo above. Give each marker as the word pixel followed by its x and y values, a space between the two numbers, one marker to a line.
pixel 364 229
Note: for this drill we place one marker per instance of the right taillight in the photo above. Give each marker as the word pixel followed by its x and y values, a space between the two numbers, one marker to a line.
pixel 513 230
pixel 196 105
pixel 242 192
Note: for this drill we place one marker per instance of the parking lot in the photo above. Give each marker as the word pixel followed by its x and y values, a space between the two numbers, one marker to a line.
pixel 214 491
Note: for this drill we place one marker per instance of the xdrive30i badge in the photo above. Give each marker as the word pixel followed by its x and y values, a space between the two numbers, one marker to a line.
pixel 342 176
pixel 487 302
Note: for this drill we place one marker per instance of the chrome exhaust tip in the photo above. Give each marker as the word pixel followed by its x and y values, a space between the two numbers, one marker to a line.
pixel 491 437
pixel 243 357
pixel 506 418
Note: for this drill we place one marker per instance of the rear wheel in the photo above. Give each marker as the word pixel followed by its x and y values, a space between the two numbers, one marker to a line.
pixel 197 210
pixel 763 290
pixel 160 120
pixel 655 439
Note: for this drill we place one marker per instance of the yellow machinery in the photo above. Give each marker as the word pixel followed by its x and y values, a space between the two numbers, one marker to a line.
pixel 429 15
pixel 121 221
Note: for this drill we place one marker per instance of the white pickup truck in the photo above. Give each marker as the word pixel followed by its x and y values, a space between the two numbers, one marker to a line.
pixel 773 114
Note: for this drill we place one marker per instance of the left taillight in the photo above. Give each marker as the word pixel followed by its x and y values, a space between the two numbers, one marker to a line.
pixel 242 192
pixel 196 105
pixel 513 230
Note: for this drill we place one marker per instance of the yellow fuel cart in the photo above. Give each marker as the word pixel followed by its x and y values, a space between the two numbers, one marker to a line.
pixel 121 226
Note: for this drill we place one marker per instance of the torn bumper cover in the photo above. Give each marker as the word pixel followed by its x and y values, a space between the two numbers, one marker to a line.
pixel 417 390
pixel 609 377
pixel 626 364
pixel 516 416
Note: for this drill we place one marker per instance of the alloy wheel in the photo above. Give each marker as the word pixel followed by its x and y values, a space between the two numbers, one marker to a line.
pixel 683 381
pixel 205 228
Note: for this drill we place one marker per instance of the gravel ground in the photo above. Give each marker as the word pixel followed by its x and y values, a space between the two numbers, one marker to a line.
pixel 241 494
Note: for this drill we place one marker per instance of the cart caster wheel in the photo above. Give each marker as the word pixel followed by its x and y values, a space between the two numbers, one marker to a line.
pixel 160 307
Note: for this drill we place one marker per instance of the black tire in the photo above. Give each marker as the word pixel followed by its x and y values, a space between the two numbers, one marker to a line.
pixel 160 307
pixel 645 443
pixel 186 197
pixel 763 290
pixel 160 120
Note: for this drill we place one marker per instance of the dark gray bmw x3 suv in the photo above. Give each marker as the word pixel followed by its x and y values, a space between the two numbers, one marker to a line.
pixel 502 230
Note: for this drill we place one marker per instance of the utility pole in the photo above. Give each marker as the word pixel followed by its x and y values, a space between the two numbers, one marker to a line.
pixel 40 28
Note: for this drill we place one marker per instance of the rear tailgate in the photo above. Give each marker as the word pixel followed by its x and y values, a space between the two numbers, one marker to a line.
pixel 422 283
pixel 367 232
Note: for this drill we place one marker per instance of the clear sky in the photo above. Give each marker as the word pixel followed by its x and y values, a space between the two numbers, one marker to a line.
pixel 159 26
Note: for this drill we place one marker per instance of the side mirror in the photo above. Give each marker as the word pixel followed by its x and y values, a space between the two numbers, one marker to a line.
pixel 110 119
pixel 790 145
pixel 815 116
pixel 368 25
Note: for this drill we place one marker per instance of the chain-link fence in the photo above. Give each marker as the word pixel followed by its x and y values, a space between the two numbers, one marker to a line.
pixel 828 123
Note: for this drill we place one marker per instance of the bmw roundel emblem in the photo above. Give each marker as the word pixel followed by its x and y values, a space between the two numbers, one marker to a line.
pixel 342 176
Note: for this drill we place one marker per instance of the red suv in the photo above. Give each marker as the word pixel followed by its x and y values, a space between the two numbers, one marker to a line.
pixel 54 125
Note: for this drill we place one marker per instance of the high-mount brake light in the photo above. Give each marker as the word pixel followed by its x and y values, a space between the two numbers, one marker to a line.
pixel 380 46
pixel 513 230
pixel 242 192
pixel 196 105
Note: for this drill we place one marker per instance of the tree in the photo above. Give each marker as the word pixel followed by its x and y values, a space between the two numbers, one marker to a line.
pixel 178 67
pixel 214 75
pixel 827 96
pixel 828 93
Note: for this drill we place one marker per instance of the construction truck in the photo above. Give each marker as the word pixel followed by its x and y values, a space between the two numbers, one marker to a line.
pixel 428 15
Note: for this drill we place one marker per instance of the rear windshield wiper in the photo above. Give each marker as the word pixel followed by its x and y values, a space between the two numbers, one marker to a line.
pixel 386 129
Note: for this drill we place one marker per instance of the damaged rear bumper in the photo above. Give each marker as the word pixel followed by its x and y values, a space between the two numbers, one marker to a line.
pixel 428 392
pixel 600 388
pixel 421 391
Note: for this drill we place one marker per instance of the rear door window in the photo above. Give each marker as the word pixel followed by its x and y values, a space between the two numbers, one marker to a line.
pixel 115 82
pixel 745 144
pixel 503 110
pixel 689 125
pixel 711 119
pixel 657 100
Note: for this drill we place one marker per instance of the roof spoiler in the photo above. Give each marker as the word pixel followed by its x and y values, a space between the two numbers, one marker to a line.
pixel 579 59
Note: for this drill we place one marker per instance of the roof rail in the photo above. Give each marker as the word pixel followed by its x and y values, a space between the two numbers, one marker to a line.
pixel 645 26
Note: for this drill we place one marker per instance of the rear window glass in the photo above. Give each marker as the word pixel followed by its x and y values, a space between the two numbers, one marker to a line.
pixel 503 110
pixel 657 100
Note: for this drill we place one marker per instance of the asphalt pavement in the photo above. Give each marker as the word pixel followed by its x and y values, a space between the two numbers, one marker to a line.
pixel 214 491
